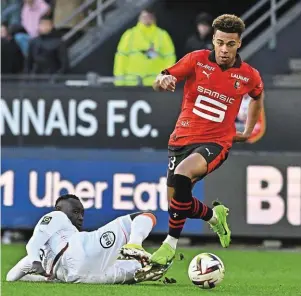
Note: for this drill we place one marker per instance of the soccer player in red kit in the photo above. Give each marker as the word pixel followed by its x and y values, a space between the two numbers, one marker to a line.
pixel 216 82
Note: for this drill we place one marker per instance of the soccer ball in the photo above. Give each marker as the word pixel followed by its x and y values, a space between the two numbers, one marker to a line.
pixel 206 271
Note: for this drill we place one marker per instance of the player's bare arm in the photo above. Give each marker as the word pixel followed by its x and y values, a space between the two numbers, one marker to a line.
pixel 165 83
pixel 254 111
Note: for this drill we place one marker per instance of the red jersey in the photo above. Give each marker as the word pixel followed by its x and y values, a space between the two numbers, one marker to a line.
pixel 212 98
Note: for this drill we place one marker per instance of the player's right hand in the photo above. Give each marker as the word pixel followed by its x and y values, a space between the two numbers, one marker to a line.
pixel 168 82
pixel 37 268
pixel 241 137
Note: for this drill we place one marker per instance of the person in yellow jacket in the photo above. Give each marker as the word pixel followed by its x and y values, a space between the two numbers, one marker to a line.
pixel 143 51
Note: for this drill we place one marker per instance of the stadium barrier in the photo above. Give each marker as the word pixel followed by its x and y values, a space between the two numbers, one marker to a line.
pixel 39 115
pixel 263 190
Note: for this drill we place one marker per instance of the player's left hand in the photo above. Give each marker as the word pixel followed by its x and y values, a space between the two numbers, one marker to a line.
pixel 241 137
pixel 37 268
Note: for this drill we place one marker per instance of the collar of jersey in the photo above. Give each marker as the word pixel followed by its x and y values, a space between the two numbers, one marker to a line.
pixel 237 63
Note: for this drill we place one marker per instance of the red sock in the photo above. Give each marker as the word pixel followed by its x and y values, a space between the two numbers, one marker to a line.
pixel 200 210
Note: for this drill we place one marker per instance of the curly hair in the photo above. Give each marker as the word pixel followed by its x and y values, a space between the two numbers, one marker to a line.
pixel 229 23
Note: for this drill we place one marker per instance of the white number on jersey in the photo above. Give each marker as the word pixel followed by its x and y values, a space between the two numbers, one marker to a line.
pixel 220 114
pixel 172 163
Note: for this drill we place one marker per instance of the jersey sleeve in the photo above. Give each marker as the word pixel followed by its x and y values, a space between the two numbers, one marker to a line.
pixel 19 270
pixel 182 69
pixel 52 222
pixel 257 85
pixel 46 227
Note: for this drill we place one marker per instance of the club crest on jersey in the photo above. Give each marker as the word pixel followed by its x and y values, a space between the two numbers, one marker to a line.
pixel 237 84
pixel 46 220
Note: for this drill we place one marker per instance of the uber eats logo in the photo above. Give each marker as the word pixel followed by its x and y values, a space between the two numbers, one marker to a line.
pixel 273 195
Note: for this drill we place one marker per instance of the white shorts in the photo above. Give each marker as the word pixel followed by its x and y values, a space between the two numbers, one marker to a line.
pixel 91 256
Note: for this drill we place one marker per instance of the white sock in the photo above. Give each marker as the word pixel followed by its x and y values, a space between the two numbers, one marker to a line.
pixel 140 228
pixel 172 241
pixel 213 219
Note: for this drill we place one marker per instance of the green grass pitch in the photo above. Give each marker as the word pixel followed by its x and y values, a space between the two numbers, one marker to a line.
pixel 256 273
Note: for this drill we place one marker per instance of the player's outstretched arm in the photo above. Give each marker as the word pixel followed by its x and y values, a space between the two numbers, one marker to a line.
pixel 165 83
pixel 254 111
pixel 20 270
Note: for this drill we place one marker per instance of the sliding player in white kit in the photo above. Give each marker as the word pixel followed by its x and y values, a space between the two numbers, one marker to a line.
pixel 57 251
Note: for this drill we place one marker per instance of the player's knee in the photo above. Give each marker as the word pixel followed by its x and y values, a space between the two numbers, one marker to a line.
pixel 149 214
pixel 192 167
pixel 152 216
pixel 183 170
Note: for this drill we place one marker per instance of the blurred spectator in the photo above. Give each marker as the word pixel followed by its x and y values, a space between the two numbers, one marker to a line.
pixel 11 11
pixel 47 53
pixel 21 37
pixel 144 50
pixel 11 56
pixel 202 39
pixel 32 11
pixel 52 4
